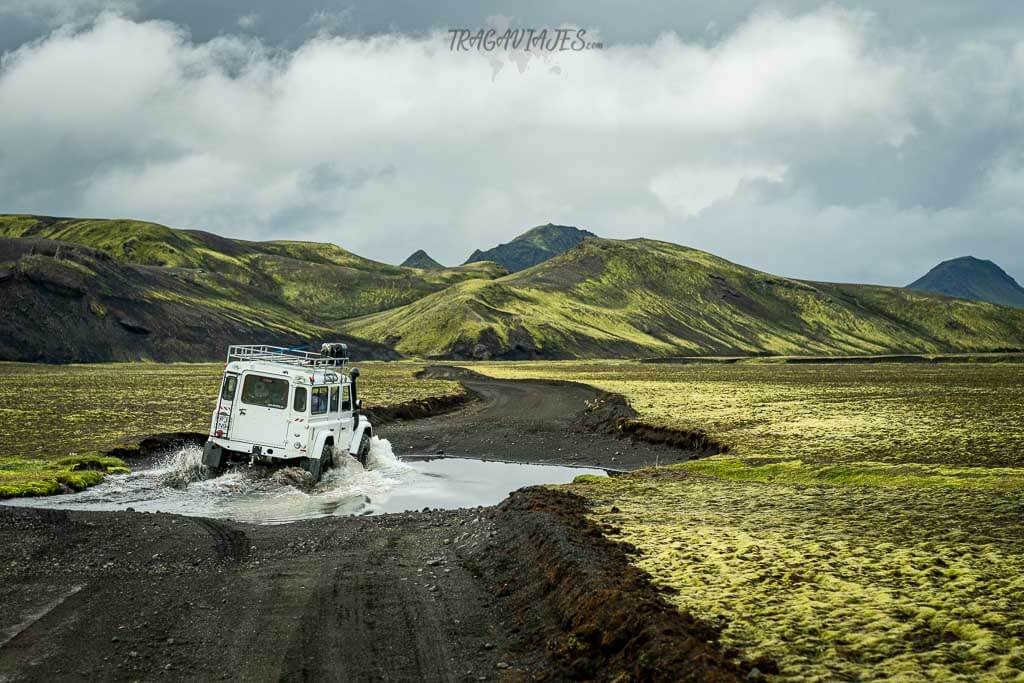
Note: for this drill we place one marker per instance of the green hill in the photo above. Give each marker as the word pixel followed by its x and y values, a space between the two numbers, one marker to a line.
pixel 972 278
pixel 643 297
pixel 421 259
pixel 112 290
pixel 533 246
pixel 91 290
pixel 322 281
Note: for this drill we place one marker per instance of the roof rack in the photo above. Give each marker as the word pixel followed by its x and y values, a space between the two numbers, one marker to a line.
pixel 279 354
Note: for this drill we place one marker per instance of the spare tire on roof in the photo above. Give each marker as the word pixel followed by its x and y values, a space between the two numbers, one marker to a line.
pixel 334 350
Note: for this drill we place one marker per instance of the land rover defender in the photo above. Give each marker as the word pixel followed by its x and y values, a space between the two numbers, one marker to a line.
pixel 280 405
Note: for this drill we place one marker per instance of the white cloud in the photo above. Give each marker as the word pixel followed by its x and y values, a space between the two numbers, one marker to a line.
pixel 249 21
pixel 391 143
pixel 688 190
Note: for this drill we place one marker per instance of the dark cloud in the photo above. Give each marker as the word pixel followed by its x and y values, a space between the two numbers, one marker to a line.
pixel 850 142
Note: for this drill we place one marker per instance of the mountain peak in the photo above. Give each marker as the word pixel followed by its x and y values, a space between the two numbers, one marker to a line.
pixel 534 246
pixel 421 259
pixel 968 277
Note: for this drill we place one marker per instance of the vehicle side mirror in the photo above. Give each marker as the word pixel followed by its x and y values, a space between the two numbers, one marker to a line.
pixel 359 404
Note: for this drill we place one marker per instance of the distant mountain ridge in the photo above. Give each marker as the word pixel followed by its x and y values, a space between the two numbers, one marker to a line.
pixel 95 290
pixel 421 259
pixel 533 246
pixel 972 278
pixel 640 297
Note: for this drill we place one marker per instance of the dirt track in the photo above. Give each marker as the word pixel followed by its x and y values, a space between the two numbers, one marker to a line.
pixel 528 421
pixel 397 597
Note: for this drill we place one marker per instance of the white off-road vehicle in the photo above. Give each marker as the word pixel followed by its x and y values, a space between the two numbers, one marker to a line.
pixel 286 406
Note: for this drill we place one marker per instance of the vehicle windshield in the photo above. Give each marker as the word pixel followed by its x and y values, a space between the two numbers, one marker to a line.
pixel 265 391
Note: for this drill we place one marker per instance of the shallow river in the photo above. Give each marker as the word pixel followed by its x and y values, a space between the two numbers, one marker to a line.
pixel 178 484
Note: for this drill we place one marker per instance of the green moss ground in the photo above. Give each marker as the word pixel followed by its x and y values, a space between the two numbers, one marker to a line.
pixel 866 524
pixel 24 477
pixel 836 582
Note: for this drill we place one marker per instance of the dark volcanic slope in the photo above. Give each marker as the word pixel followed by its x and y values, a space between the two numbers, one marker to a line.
pixel 190 292
pixel 323 281
pixel 65 303
pixel 533 246
pixel 971 278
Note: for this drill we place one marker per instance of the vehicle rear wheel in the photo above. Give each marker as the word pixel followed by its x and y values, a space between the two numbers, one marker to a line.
pixel 364 449
pixel 326 458
pixel 314 466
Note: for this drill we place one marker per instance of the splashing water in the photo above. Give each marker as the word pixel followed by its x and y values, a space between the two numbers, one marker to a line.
pixel 181 468
pixel 180 483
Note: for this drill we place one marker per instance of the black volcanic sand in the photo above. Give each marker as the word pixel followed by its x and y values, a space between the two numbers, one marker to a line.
pixel 541 421
pixel 529 589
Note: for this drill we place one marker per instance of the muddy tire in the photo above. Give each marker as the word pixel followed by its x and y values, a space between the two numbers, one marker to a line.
pixel 364 449
pixel 326 458
pixel 314 466
pixel 213 456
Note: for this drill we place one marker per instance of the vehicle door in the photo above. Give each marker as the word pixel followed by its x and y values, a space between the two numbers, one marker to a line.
pixel 261 411
pixel 341 419
pixel 221 425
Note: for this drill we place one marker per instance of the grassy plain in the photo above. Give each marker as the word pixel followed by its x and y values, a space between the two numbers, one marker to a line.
pixel 49 413
pixel 866 524
pixel 835 582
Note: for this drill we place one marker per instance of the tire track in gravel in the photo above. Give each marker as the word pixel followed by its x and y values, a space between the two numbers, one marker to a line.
pixel 228 542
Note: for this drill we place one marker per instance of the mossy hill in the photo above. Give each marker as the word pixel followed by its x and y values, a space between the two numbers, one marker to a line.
pixel 640 297
pixel 972 278
pixel 533 246
pixel 93 290
pixel 421 259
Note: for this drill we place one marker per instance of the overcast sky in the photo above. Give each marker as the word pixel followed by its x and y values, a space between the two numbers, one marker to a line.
pixel 844 141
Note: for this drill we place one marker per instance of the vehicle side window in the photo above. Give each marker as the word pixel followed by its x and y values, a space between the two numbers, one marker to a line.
pixel 334 398
pixel 265 391
pixel 318 404
pixel 299 402
pixel 228 392
pixel 346 402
